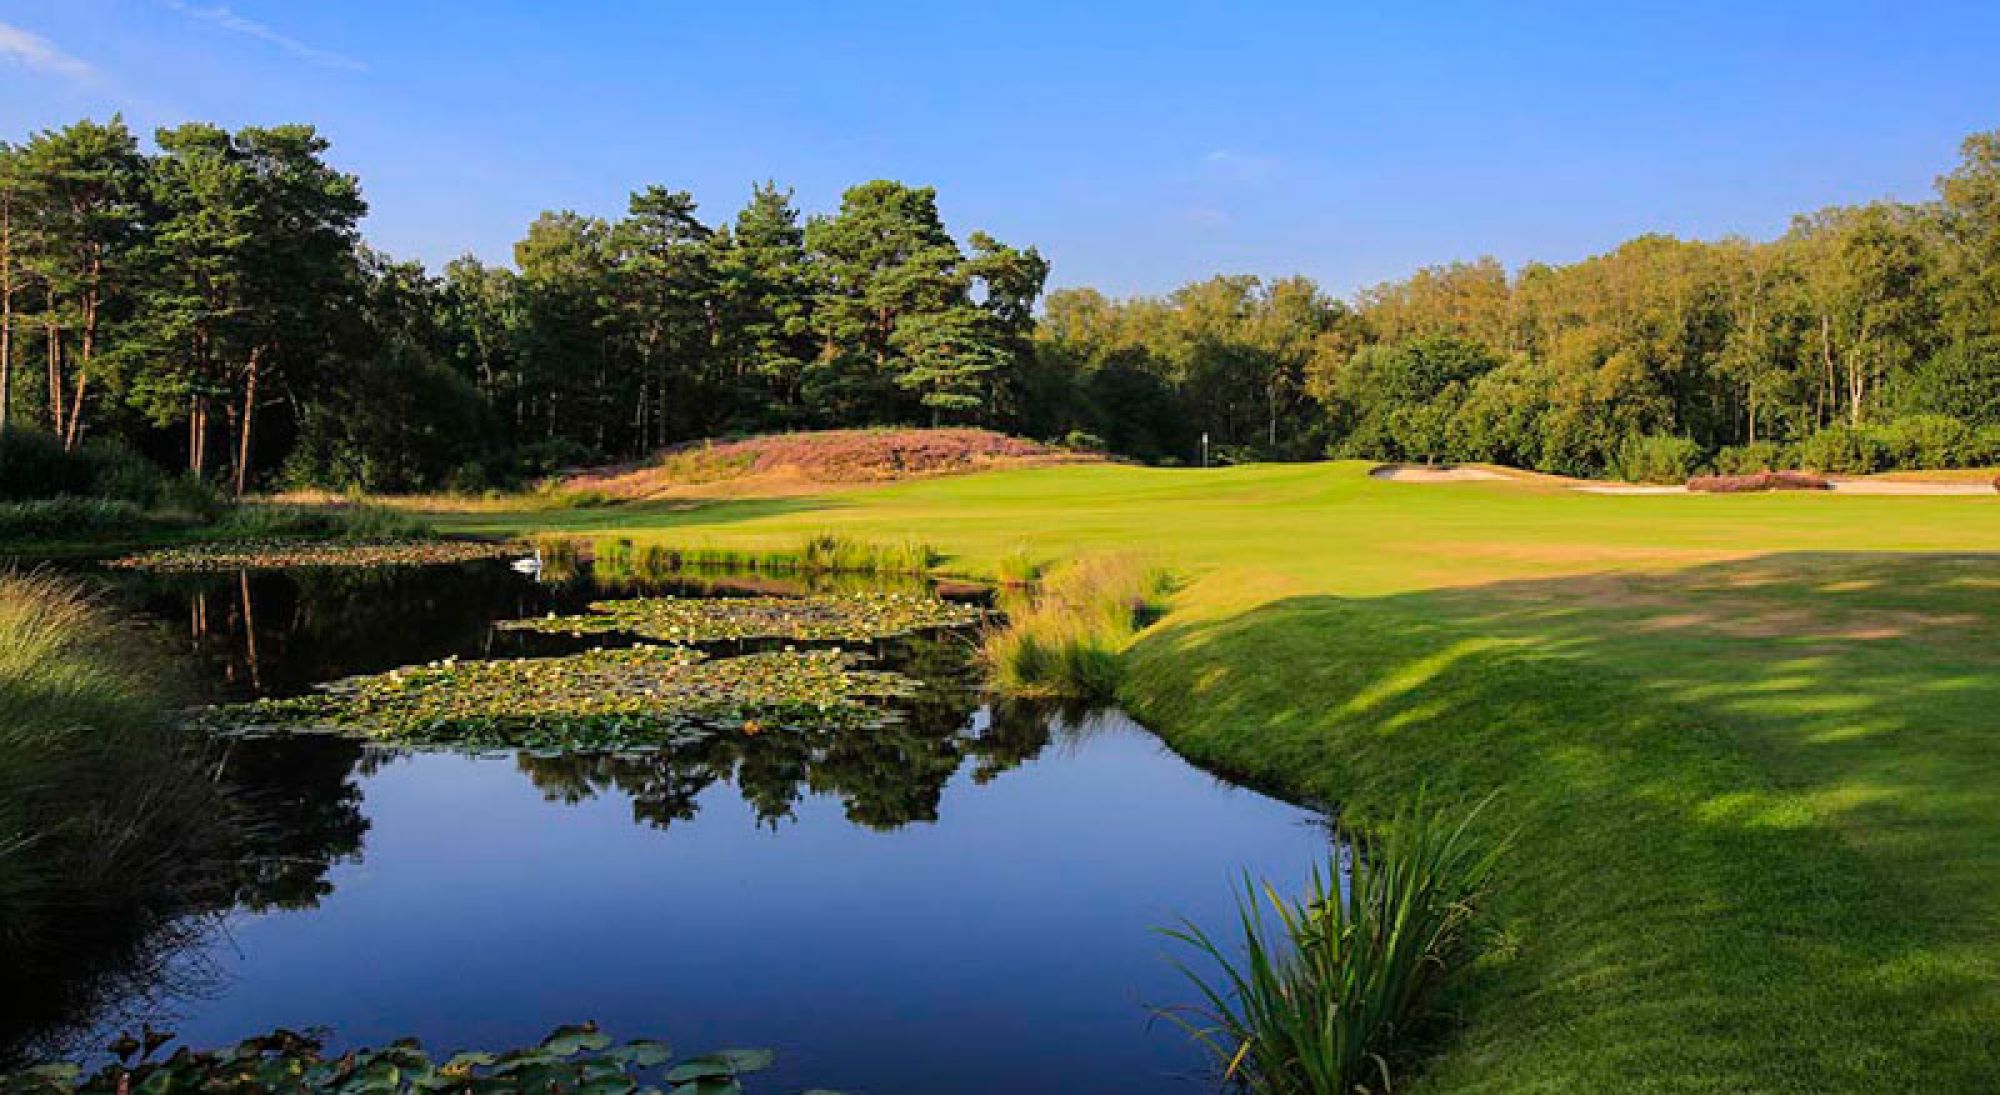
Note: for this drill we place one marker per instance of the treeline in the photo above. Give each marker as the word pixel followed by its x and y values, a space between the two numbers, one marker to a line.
pixel 212 303
pixel 1864 338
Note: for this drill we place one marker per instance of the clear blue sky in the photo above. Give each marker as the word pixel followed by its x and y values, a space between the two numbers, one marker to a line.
pixel 1139 145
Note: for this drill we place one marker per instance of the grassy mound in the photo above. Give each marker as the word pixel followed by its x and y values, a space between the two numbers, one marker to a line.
pixel 830 456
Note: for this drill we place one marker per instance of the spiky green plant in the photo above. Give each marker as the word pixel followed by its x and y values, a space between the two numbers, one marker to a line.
pixel 1326 987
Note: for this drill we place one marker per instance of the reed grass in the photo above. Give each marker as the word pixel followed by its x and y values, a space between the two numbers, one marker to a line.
pixel 1319 994
pixel 819 554
pixel 102 811
pixel 1067 637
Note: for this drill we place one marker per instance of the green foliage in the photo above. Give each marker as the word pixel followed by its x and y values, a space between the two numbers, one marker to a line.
pixel 265 553
pixel 847 617
pixel 572 1060
pixel 1657 458
pixel 1752 458
pixel 602 699
pixel 70 519
pixel 106 814
pixel 822 553
pixel 1318 994
pixel 1931 441
pixel 349 521
pixel 34 464
pixel 1843 450
pixel 1067 637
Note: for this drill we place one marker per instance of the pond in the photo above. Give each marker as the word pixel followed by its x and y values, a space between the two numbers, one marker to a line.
pixel 964 901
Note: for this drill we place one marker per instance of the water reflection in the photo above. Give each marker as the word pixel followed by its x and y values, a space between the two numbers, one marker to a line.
pixel 960 900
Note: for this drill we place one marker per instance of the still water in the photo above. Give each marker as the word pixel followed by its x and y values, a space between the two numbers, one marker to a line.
pixel 965 904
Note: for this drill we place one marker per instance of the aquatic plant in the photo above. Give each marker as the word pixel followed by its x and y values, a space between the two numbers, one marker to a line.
pixel 601 699
pixel 854 617
pixel 574 1059
pixel 823 553
pixel 1068 637
pixel 1319 1002
pixel 284 554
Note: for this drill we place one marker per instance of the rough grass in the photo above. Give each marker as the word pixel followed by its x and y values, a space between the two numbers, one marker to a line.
pixel 818 554
pixel 1749 860
pixel 104 817
pixel 1067 637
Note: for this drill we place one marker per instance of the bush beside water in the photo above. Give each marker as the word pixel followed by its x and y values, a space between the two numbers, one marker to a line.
pixel 1067 637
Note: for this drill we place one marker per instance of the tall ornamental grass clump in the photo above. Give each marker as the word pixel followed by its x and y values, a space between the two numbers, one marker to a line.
pixel 104 813
pixel 1319 994
pixel 1067 638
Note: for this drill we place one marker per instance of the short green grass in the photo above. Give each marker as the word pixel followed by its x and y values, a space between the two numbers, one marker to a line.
pixel 1745 744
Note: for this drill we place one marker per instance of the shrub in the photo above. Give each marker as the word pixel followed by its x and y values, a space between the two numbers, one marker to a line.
pixel 35 465
pixel 1930 441
pixel 1069 638
pixel 1843 450
pixel 349 521
pixel 1657 458
pixel 1083 441
pixel 70 519
pixel 1754 457
pixel 1758 481
pixel 1315 1003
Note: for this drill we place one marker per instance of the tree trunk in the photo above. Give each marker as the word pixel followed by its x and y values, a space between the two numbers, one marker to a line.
pixel 74 431
pixel 198 437
pixel 248 422
pixel 6 312
pixel 54 330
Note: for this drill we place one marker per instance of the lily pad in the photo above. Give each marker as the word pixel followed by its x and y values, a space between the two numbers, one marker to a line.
pixel 300 554
pixel 852 617
pixel 601 699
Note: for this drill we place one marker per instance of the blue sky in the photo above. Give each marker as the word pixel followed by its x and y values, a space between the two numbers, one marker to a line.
pixel 1140 145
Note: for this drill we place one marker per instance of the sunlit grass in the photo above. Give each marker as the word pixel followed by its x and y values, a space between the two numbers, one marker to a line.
pixel 1067 637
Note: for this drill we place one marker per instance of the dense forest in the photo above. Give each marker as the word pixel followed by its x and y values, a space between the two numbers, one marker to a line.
pixel 210 302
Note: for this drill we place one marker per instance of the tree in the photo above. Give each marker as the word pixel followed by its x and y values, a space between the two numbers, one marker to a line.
pixel 764 304
pixel 664 286
pixel 85 221
pixel 883 258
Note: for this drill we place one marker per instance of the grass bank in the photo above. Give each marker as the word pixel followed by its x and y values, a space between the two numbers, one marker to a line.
pixel 1746 739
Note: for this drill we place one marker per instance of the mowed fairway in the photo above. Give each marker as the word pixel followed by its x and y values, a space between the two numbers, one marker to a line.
pixel 1746 745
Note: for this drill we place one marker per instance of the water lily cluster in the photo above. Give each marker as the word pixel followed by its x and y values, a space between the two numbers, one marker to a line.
pixel 601 699
pixel 849 617
pixel 287 554
pixel 572 1059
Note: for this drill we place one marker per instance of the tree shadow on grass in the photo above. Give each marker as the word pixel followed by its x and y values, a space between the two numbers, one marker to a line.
pixel 1757 846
